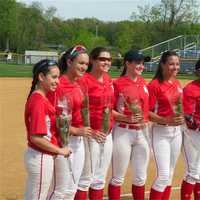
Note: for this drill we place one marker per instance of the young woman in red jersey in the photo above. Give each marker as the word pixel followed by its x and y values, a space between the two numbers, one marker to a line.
pixel 100 92
pixel 165 95
pixel 40 157
pixel 73 64
pixel 191 138
pixel 130 134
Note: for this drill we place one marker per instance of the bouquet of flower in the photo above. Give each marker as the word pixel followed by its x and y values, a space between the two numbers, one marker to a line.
pixel 174 96
pixel 106 104
pixel 87 170
pixel 132 101
pixel 85 110
pixel 105 123
pixel 105 126
pixel 62 123
pixel 63 119
pixel 133 106
pixel 178 108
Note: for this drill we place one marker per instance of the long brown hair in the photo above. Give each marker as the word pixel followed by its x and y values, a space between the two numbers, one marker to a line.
pixel 163 60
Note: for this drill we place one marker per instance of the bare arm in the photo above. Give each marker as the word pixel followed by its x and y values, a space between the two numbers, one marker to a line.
pixel 44 144
pixel 88 132
pixel 171 120
pixel 84 131
pixel 119 117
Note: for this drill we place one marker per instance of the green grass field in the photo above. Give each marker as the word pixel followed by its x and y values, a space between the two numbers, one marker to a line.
pixel 14 70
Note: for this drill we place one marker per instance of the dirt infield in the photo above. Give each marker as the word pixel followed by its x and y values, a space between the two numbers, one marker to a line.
pixel 13 92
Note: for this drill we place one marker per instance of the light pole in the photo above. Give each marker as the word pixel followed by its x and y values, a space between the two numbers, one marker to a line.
pixel 96 28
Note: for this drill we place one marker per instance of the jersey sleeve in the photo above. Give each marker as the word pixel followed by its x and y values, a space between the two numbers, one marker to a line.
pixel 116 94
pixel 37 119
pixel 152 96
pixel 188 101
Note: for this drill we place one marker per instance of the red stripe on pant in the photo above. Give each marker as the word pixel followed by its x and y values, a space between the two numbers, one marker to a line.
pixel 40 184
pixel 186 190
pixel 95 194
pixel 114 192
pixel 54 174
pixel 197 191
pixel 80 195
pixel 138 192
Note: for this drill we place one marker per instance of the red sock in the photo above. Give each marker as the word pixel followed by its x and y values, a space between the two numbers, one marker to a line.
pixel 197 191
pixel 138 192
pixel 95 194
pixel 114 192
pixel 80 195
pixel 186 190
pixel 155 195
pixel 166 193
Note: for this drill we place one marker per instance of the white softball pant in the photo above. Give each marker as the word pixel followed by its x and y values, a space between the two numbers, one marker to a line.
pixel 191 148
pixel 40 168
pixel 66 181
pixel 166 144
pixel 129 145
pixel 99 170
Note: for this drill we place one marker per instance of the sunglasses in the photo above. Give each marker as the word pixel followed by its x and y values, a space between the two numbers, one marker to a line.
pixel 103 59
pixel 48 63
pixel 77 50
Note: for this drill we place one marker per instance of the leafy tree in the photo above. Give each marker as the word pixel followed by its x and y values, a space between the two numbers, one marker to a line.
pixel 87 39
pixel 7 22
pixel 169 11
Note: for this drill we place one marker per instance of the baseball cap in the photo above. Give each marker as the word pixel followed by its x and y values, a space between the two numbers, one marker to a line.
pixel 135 55
pixel 197 65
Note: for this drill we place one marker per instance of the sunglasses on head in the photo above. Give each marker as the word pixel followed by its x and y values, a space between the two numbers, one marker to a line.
pixel 103 59
pixel 48 63
pixel 77 50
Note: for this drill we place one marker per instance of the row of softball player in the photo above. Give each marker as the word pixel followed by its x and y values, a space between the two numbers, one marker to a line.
pixel 90 104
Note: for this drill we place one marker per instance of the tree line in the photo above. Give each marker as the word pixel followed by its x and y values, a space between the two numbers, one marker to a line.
pixel 32 27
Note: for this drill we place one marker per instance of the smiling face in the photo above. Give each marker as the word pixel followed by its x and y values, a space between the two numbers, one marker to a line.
pixel 50 81
pixel 78 65
pixel 135 68
pixel 103 62
pixel 171 67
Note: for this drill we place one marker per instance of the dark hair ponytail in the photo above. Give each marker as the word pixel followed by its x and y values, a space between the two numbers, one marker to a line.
pixel 40 67
pixel 164 58
pixel 124 70
pixel 33 86
pixel 62 63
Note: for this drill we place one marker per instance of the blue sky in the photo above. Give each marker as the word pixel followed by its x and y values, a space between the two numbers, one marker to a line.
pixel 106 10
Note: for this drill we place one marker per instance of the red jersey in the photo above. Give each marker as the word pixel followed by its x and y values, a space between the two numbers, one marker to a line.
pixel 163 96
pixel 131 92
pixel 101 95
pixel 191 102
pixel 40 120
pixel 73 93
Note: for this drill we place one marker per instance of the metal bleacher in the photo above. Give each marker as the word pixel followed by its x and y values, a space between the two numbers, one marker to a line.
pixel 186 46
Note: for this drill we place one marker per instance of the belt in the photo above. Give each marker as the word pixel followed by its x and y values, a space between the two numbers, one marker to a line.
pixel 166 125
pixel 162 124
pixel 194 129
pixel 129 126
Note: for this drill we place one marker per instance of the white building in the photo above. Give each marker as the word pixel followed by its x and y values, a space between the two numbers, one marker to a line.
pixel 32 57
